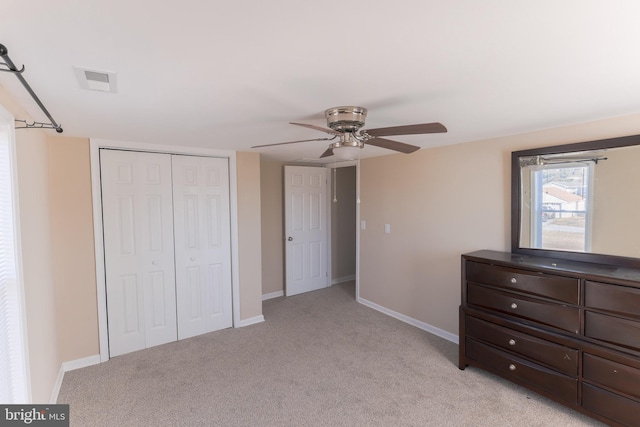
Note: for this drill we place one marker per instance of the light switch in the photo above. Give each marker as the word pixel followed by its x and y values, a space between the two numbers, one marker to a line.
pixel 387 228
pixel 363 225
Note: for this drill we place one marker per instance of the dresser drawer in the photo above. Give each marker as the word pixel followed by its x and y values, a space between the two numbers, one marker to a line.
pixel 546 285
pixel 613 298
pixel 556 315
pixel 612 329
pixel 617 408
pixel 613 375
pixel 515 368
pixel 554 355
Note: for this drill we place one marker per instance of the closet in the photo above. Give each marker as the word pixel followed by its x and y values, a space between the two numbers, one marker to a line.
pixel 167 247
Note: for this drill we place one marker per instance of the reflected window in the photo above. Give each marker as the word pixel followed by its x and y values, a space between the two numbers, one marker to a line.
pixel 560 206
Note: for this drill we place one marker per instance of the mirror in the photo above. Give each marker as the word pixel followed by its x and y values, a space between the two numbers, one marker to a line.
pixel 578 201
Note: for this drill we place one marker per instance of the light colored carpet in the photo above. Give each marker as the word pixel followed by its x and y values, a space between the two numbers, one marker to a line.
pixel 320 359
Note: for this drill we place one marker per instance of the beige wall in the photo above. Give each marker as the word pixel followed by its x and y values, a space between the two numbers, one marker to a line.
pixel 37 255
pixel 441 203
pixel 272 221
pixel 73 248
pixel 249 235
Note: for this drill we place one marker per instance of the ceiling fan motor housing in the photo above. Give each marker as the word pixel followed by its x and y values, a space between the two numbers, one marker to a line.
pixel 346 119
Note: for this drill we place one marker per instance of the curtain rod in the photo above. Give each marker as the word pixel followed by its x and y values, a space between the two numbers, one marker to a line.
pixel 11 68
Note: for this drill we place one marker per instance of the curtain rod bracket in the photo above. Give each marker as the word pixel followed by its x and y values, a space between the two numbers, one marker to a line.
pixel 7 70
pixel 11 68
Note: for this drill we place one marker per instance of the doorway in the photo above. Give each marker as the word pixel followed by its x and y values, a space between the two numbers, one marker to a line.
pixel 344 207
pixel 341 231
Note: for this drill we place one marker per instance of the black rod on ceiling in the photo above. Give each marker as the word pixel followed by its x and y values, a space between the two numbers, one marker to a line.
pixel 11 68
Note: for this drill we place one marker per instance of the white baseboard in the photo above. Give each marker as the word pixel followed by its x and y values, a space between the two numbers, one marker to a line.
pixel 56 387
pixel 343 279
pixel 250 321
pixel 414 322
pixel 81 363
pixel 70 366
pixel 272 295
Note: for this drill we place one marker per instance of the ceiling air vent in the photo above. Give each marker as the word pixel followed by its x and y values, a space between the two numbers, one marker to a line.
pixel 103 81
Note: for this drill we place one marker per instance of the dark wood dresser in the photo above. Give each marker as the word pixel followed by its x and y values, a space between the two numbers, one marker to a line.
pixel 567 330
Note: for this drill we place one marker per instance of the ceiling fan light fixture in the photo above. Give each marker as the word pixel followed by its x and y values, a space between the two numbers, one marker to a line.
pixel 347 153
pixel 347 150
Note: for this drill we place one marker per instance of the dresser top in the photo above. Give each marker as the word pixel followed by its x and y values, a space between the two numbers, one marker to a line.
pixel 590 271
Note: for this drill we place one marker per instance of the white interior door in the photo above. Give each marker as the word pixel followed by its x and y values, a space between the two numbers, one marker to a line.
pixel 202 244
pixel 138 244
pixel 306 229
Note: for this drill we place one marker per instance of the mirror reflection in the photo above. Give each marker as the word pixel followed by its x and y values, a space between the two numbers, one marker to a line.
pixel 584 201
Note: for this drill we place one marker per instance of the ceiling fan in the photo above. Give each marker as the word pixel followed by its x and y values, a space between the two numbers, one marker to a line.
pixel 346 122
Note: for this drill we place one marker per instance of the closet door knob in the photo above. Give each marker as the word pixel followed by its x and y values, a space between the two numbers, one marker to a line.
pixel 289 238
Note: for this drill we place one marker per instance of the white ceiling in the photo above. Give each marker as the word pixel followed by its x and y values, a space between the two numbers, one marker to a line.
pixel 232 74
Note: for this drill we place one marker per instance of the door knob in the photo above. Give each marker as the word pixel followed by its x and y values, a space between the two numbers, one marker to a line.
pixel 289 238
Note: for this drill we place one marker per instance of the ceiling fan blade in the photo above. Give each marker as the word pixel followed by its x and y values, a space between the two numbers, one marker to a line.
pixel 393 145
pixel 321 129
pixel 408 130
pixel 327 153
pixel 292 142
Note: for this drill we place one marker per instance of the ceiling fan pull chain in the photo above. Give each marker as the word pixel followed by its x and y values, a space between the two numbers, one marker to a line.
pixel 358 172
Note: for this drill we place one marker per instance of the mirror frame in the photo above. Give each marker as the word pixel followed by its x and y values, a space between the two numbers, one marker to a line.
pixel 516 203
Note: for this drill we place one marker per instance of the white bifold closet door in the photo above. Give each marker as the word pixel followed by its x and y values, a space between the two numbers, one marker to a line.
pixel 202 244
pixel 167 247
pixel 137 213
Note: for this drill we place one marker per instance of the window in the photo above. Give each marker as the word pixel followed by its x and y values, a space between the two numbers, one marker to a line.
pixel 561 214
pixel 13 374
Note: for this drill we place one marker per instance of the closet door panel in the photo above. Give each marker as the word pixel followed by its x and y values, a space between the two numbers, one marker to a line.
pixel 202 244
pixel 139 256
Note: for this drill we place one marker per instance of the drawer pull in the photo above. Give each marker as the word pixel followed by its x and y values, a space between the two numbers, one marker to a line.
pixel 512 342
pixel 514 305
pixel 512 367
pixel 514 280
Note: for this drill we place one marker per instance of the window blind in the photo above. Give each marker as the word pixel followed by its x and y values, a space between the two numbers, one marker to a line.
pixel 12 363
